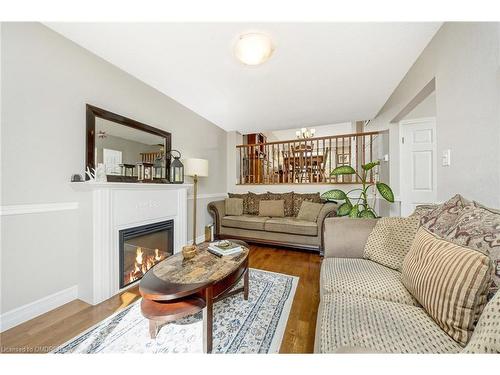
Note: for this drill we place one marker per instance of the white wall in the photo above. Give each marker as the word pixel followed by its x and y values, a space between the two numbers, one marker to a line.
pixel 426 108
pixel 46 81
pixel 464 60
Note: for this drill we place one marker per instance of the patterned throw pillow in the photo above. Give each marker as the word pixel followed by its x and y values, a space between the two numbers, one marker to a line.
pixel 478 228
pixel 390 241
pixel 440 220
pixel 299 198
pixel 242 196
pixel 254 200
pixel 423 209
pixel 486 336
pixel 287 197
pixel 449 281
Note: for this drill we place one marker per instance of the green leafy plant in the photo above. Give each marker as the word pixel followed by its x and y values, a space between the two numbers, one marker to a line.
pixel 358 206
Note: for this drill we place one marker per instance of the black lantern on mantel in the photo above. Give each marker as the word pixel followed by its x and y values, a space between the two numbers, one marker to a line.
pixel 176 169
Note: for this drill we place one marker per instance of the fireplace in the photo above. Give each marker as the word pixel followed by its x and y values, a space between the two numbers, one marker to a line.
pixel 142 247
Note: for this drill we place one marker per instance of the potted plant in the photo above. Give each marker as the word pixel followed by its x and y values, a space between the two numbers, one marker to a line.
pixel 358 206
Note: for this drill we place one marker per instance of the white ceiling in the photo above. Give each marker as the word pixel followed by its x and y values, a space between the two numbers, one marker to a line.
pixel 320 73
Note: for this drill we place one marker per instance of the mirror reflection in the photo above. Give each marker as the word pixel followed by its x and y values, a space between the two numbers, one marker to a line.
pixel 130 152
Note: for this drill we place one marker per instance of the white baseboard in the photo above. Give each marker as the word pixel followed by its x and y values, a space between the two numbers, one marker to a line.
pixel 199 239
pixel 31 310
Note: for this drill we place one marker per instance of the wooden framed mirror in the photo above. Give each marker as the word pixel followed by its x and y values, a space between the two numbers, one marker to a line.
pixel 129 150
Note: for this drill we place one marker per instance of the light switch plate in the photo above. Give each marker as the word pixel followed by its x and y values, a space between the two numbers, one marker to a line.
pixel 446 158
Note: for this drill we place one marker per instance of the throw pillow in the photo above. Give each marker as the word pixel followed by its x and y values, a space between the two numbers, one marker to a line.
pixel 299 198
pixel 253 202
pixel 234 206
pixel 272 208
pixel 390 240
pixel 309 211
pixel 440 220
pixel 478 228
pixel 486 336
pixel 423 209
pixel 241 196
pixel 287 197
pixel 449 281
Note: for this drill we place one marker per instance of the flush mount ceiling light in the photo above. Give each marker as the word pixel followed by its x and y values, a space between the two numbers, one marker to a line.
pixel 253 48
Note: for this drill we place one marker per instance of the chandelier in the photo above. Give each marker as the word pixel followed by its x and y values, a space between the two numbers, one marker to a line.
pixel 305 133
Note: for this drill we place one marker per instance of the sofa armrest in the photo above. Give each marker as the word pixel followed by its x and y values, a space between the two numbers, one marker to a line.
pixel 329 209
pixel 218 210
pixel 345 237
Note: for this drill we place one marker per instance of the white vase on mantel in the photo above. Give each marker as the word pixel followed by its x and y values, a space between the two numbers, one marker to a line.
pixel 100 173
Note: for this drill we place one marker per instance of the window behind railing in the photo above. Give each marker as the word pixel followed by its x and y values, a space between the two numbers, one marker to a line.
pixel 306 161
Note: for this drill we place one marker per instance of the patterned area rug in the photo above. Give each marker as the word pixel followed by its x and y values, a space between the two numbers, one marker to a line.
pixel 253 326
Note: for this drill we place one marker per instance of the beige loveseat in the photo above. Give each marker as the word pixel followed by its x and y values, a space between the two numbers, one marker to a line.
pixel 366 308
pixel 285 231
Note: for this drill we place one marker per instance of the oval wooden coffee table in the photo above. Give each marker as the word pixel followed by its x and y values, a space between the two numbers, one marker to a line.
pixel 175 287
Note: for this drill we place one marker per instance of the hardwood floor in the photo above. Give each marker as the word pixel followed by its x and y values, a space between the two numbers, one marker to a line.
pixel 49 330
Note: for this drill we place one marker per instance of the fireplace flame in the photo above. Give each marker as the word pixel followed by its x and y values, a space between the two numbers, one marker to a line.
pixel 138 255
pixel 143 262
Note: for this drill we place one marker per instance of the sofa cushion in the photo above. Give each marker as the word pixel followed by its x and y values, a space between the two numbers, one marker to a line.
pixel 449 281
pixel 352 321
pixel 254 201
pixel 272 208
pixel 363 278
pixel 346 238
pixel 233 206
pixel 292 226
pixel 287 197
pixel 440 220
pixel 478 228
pixel 241 196
pixel 390 241
pixel 486 336
pixel 299 198
pixel 309 211
pixel 251 222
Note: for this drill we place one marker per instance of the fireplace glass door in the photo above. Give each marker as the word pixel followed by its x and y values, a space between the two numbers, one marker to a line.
pixel 142 247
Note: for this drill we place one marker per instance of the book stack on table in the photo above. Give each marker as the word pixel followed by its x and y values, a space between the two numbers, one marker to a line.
pixel 224 248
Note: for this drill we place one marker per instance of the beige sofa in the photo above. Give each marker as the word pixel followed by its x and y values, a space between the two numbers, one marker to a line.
pixel 280 231
pixel 365 307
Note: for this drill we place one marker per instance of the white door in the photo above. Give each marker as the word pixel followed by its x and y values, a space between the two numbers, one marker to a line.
pixel 418 163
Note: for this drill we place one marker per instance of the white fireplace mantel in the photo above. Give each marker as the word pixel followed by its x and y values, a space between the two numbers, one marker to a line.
pixel 88 186
pixel 110 207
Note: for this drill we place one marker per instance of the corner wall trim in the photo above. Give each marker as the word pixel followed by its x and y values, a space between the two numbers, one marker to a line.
pixel 23 209
pixel 31 310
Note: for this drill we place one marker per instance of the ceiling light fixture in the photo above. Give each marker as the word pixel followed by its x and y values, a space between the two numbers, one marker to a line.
pixel 253 48
pixel 305 133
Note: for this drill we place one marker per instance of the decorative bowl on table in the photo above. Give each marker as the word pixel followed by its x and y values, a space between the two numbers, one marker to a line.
pixel 188 251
